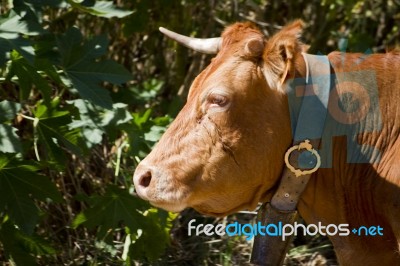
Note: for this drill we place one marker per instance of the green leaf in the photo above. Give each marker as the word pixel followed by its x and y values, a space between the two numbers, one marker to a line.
pixel 140 95
pixel 10 238
pixel 85 71
pixel 27 77
pixel 101 8
pixel 117 116
pixel 21 45
pixel 95 72
pixel 36 244
pixel 115 209
pixel 88 89
pixel 154 134
pixel 107 9
pixel 54 134
pixel 109 210
pixel 89 50
pixel 94 120
pixel 18 245
pixel 9 140
pixel 89 121
pixel 12 26
pixel 18 182
pixel 137 143
pixel 8 110
pixel 48 57
pixel 140 19
pixel 143 132
pixel 155 235
pixel 141 120
pixel 13 23
pixel 31 183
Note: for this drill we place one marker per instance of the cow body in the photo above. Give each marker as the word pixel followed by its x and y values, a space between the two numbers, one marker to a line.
pixel 363 194
pixel 224 152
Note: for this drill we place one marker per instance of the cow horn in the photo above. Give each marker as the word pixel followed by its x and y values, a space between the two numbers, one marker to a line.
pixel 207 46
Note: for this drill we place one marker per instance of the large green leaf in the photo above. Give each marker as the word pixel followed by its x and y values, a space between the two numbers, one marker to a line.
pixel 55 135
pixel 20 246
pixel 27 77
pixel 109 210
pixel 89 89
pixel 85 71
pixel 93 121
pixel 13 246
pixel 69 43
pixel 19 181
pixel 11 27
pixel 154 235
pixel 146 227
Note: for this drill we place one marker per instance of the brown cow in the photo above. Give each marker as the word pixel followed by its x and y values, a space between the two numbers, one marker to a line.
pixel 224 151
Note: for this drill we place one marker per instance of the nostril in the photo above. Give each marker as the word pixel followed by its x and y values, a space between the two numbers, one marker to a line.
pixel 145 179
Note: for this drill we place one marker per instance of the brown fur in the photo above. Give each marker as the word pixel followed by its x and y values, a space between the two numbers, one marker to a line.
pixel 220 158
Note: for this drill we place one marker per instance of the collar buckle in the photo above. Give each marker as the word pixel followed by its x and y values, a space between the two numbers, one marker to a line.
pixel 305 145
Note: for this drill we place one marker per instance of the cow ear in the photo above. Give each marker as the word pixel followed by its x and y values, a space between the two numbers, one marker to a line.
pixel 280 52
pixel 254 47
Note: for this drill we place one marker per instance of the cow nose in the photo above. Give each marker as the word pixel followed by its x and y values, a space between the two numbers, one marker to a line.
pixel 142 180
pixel 145 179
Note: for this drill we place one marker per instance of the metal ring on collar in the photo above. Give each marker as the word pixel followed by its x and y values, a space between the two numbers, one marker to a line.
pixel 307 146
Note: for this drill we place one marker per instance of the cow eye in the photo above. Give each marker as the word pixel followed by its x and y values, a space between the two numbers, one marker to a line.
pixel 217 99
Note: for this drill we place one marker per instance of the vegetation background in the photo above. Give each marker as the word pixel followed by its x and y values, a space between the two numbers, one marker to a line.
pixel 86 89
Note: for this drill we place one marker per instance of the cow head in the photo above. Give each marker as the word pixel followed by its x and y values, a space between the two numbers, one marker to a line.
pixel 224 151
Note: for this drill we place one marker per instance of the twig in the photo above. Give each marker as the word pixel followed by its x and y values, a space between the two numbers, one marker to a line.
pixel 35 134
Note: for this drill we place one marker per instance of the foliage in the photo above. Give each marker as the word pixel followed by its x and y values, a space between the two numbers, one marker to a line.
pixel 88 87
pixel 57 108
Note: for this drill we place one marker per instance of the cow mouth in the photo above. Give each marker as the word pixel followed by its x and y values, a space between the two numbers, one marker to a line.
pixel 172 205
pixel 169 206
pixel 216 214
pixel 250 205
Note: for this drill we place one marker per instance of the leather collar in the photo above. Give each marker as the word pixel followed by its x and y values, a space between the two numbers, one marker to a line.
pixel 308 104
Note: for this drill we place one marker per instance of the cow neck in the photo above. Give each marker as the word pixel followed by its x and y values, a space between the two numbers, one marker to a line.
pixel 308 101
pixel 308 107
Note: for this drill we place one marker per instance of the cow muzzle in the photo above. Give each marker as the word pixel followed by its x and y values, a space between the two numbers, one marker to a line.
pixel 156 187
pixel 142 179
